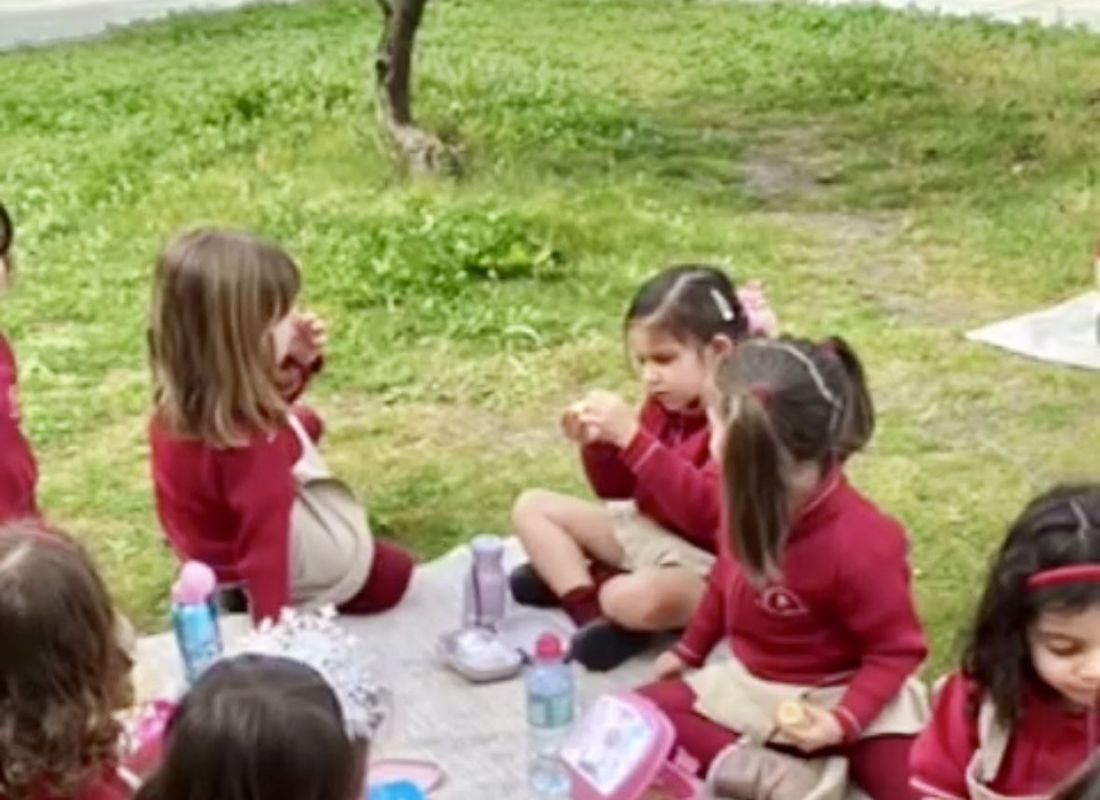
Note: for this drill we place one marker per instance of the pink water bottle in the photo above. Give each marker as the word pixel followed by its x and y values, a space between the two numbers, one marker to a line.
pixel 485 594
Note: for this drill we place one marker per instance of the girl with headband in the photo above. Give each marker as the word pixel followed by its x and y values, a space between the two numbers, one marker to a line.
pixel 811 591
pixel 1021 714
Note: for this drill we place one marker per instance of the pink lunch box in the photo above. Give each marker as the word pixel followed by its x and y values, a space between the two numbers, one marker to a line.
pixel 619 751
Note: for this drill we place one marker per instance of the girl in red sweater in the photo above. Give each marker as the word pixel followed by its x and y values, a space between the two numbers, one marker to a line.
pixel 239 482
pixel 811 589
pixel 18 471
pixel 63 674
pixel 625 569
pixel 1022 714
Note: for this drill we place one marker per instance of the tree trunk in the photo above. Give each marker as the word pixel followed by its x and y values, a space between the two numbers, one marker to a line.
pixel 421 151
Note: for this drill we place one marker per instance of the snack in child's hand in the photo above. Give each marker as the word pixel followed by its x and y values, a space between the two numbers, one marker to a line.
pixel 791 714
pixel 658 793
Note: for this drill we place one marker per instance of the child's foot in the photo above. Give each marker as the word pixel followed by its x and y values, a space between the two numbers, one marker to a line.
pixel 601 645
pixel 529 589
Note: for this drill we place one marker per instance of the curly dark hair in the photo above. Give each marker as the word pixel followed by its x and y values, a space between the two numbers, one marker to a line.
pixel 1060 528
pixel 63 673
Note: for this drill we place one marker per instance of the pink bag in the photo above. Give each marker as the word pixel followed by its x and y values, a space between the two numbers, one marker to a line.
pixel 618 751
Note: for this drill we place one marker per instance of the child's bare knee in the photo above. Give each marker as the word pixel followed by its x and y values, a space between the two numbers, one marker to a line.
pixel 530 503
pixel 634 603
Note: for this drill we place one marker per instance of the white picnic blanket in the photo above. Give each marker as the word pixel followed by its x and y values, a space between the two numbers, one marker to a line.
pixel 476 733
pixel 1065 334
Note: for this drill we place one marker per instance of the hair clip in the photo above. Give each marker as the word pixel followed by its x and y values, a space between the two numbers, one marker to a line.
pixel 314 639
pixel 725 310
pixel 762 393
pixel 1083 524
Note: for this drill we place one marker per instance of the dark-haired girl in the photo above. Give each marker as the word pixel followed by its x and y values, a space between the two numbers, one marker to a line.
pixel 622 570
pixel 18 470
pixel 291 717
pixel 1021 715
pixel 812 586
pixel 259 728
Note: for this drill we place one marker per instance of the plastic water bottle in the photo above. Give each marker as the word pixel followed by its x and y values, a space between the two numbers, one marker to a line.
pixel 195 619
pixel 550 705
pixel 485 595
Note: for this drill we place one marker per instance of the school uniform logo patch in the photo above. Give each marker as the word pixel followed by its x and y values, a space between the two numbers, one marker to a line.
pixel 782 602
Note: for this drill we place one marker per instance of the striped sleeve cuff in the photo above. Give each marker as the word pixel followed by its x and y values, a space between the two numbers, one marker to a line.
pixel 848 721
pixel 641 449
pixel 688 655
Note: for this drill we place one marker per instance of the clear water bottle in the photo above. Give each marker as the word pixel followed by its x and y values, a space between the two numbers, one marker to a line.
pixel 485 595
pixel 195 619
pixel 550 706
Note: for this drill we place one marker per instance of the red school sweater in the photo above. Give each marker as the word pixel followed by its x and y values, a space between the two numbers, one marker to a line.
pixel 229 507
pixel 18 470
pixel 1048 745
pixel 843 614
pixel 666 469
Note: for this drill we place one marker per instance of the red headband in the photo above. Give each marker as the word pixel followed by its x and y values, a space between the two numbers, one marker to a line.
pixel 1064 576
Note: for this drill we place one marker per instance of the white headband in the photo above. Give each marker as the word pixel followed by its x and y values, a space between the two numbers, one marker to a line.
pixel 314 639
pixel 819 381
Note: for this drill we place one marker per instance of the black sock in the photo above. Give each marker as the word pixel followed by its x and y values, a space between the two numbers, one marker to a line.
pixel 601 645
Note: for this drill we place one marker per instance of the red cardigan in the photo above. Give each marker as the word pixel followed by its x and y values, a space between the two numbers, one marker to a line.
pixel 844 613
pixel 666 469
pixel 18 470
pixel 1048 745
pixel 229 507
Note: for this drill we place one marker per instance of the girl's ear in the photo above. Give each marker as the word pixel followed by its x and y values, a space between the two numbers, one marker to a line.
pixel 719 347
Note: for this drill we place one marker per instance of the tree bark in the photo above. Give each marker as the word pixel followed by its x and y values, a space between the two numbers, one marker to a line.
pixel 420 150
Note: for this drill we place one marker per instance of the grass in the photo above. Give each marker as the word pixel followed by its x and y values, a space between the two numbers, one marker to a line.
pixel 893 178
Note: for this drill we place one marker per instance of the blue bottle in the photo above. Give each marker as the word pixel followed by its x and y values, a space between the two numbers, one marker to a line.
pixel 550 705
pixel 195 619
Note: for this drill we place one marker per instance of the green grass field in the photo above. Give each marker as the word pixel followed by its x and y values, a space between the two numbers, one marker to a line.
pixel 892 178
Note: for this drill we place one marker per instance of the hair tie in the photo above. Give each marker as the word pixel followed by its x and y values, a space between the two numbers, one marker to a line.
pixel 762 320
pixel 829 348
pixel 762 393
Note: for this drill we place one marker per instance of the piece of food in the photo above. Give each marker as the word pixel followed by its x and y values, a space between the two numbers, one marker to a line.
pixel 791 714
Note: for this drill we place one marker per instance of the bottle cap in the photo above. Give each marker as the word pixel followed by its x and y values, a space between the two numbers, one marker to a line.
pixel 548 648
pixel 196 584
pixel 487 543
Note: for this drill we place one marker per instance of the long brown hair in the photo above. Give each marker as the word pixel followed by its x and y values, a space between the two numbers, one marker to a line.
pixel 784 401
pixel 63 673
pixel 216 296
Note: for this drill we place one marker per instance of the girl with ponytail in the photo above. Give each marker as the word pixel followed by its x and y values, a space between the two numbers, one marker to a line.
pixel 811 591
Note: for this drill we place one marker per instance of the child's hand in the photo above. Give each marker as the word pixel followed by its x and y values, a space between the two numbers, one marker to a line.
pixel 668 666
pixel 609 418
pixel 817 729
pixel 571 425
pixel 310 339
